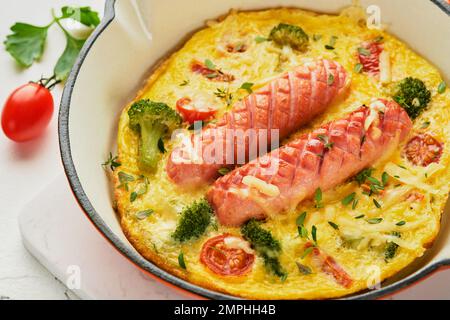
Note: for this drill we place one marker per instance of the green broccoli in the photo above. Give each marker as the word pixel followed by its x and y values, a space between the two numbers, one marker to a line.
pixel 391 247
pixel 153 121
pixel 265 244
pixel 193 221
pixel 413 96
pixel 287 34
pixel 390 250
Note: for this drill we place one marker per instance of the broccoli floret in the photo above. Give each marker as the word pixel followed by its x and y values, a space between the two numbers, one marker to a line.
pixel 287 34
pixel 193 221
pixel 153 121
pixel 260 238
pixel 390 250
pixel 266 246
pixel 413 96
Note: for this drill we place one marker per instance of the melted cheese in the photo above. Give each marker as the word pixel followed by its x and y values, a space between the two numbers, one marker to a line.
pixel 262 186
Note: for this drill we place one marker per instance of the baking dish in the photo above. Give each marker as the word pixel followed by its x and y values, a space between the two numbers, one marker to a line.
pixel 133 37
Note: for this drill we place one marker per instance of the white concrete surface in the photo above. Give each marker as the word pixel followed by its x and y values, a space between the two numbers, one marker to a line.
pixel 26 168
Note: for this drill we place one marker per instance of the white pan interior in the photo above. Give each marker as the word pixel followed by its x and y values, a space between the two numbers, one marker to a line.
pixel 145 31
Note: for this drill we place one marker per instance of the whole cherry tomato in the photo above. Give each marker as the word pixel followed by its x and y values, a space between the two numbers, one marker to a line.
pixel 27 112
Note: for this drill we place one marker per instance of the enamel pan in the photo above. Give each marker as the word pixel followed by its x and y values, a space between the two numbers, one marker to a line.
pixel 133 36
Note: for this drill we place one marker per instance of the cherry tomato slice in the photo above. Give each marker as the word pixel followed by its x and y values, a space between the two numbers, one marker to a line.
pixel 211 74
pixel 423 149
pixel 191 114
pixel 370 58
pixel 27 112
pixel 329 266
pixel 225 260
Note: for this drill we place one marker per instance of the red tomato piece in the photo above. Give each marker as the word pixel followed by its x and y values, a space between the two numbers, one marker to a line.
pixel 211 74
pixel 224 260
pixel 191 114
pixel 328 265
pixel 369 57
pixel 27 112
pixel 423 149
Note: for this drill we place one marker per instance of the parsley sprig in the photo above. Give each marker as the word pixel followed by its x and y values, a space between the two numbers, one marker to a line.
pixel 27 42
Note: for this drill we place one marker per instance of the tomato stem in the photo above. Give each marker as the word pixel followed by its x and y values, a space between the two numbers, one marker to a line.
pixel 48 83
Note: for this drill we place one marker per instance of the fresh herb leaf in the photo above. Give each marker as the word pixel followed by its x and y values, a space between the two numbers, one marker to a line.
pixel 184 83
pixel 376 203
pixel 260 39
pixel 355 203
pixel 67 59
pixel 306 252
pixel 181 261
pixel 384 178
pixel 223 171
pixel 314 234
pixel 328 47
pixel 301 219
pixel 360 216
pixel 425 125
pixel 351 197
pixel 84 15
pixel 144 214
pixel 378 39
pixel 210 65
pixel 303 232
pixel 318 198
pixel 330 80
pixel 400 223
pixel 374 220
pixel 303 269
pixel 112 162
pixel 124 178
pixel 324 138
pixel 358 68
pixel 362 176
pixel 442 87
pixel 26 43
pixel 364 52
pixel 133 196
pixel 247 86
pixel 333 225
pixel 224 95
pixel 374 181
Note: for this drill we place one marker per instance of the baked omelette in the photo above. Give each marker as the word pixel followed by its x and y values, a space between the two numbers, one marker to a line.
pixel 362 172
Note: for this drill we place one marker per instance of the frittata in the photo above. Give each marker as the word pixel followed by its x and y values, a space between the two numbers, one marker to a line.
pixel 335 243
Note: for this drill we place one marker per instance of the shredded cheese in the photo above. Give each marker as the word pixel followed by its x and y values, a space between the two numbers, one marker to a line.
pixel 385 67
pixel 262 186
pixel 373 115
pixel 405 176
pixel 238 243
